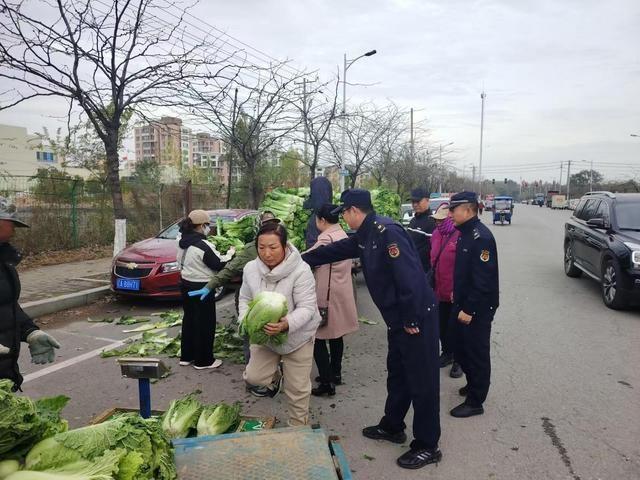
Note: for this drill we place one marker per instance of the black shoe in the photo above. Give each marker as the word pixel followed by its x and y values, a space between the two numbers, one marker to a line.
pixel 419 457
pixel 275 387
pixel 446 359
pixel 258 390
pixel 377 433
pixel 456 370
pixel 463 411
pixel 324 389
pixel 336 380
pixel 464 391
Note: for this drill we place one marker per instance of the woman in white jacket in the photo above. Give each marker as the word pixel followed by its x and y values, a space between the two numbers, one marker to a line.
pixel 280 268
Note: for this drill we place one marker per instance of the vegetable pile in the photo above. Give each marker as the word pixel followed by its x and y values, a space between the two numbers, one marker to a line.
pixel 287 206
pixel 386 203
pixel 266 307
pixel 187 416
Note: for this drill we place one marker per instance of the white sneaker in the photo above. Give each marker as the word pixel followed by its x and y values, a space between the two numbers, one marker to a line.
pixel 215 364
pixel 185 364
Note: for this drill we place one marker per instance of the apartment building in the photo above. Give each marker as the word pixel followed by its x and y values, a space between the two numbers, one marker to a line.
pixel 160 141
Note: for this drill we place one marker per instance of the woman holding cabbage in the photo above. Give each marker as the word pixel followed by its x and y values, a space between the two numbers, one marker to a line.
pixel 278 311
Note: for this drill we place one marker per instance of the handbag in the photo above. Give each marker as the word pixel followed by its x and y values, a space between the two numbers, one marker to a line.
pixel 324 311
pixel 432 271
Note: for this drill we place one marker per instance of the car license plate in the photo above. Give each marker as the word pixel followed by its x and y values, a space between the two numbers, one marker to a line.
pixel 127 284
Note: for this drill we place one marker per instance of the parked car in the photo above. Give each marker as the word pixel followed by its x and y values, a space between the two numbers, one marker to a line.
pixel 150 269
pixel 602 240
pixel 406 213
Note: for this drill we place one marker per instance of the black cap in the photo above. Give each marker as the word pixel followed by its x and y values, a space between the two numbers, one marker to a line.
pixel 354 197
pixel 326 212
pixel 418 194
pixel 461 198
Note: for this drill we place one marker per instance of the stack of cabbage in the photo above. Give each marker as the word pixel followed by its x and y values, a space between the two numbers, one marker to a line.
pixel 266 307
pixel 187 416
pixel 287 206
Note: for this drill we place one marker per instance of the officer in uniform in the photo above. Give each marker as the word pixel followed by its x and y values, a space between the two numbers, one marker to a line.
pixel 399 288
pixel 475 299
pixel 421 226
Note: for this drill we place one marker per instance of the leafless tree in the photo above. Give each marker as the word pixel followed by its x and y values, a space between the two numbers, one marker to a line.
pixel 393 141
pixel 105 57
pixel 252 115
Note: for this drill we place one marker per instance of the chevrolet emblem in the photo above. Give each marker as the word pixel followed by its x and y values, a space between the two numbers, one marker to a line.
pixel 132 265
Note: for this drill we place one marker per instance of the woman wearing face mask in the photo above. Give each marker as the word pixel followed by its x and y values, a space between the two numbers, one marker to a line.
pixel 198 260
pixel 443 260
pixel 280 268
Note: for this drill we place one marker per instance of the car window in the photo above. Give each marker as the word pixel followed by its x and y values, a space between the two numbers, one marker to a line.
pixel 628 215
pixel 589 210
pixel 603 211
pixel 579 208
pixel 170 233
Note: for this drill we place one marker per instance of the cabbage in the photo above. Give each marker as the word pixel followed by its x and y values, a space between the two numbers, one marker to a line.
pixel 23 422
pixel 266 307
pixel 182 416
pixel 104 467
pixel 217 419
pixel 8 467
pixel 145 451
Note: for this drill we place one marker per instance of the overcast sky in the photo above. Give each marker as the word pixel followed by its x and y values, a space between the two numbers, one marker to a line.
pixel 562 77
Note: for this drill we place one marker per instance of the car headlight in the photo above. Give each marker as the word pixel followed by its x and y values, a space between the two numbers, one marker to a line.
pixel 170 267
pixel 635 254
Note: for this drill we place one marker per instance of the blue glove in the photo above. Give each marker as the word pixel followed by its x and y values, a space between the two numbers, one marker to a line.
pixel 203 292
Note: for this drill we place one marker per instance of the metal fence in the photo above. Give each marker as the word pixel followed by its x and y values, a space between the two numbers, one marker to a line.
pixel 66 213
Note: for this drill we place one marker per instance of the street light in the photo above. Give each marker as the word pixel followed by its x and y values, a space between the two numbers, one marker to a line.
pixel 347 64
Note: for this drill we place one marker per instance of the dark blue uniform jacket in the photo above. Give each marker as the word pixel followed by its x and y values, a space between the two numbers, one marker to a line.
pixel 475 284
pixel 394 275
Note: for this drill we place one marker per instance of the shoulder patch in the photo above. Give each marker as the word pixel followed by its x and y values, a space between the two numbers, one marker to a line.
pixel 394 250
pixel 476 234
pixel 381 228
pixel 485 255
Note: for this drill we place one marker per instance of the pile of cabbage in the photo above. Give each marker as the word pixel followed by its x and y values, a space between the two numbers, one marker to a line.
pixel 287 205
pixel 188 417
pixel 266 307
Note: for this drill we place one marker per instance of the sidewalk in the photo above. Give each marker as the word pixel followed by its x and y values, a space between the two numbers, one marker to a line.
pixel 53 281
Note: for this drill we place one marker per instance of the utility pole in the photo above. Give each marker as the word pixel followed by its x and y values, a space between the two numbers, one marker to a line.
pixel 439 170
pixel 411 144
pixel 344 122
pixel 482 96
pixel 568 180
pixel 591 177
pixel 473 175
pixel 560 182
pixel 306 123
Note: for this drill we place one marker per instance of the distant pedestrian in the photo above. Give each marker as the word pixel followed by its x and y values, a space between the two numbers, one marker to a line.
pixel 476 299
pixel 421 226
pixel 443 260
pixel 480 206
pixel 334 290
pixel 198 260
pixel 15 325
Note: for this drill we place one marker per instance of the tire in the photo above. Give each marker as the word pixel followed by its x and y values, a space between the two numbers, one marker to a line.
pixel 219 293
pixel 612 294
pixel 570 268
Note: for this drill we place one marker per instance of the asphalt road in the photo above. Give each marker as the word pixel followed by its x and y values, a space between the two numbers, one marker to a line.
pixel 565 395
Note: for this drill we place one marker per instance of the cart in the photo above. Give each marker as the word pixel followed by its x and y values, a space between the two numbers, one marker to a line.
pixel 287 453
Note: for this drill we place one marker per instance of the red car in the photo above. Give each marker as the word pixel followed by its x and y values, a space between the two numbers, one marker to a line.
pixel 150 269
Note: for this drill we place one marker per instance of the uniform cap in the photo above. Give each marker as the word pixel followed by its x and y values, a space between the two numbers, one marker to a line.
pixel 354 197
pixel 462 198
pixel 418 194
pixel 198 217
pixel 8 211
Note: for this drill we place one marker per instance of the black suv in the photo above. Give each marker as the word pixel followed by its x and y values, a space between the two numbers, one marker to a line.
pixel 602 239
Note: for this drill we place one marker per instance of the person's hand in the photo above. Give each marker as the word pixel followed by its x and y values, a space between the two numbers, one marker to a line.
pixel 412 330
pixel 41 346
pixel 272 329
pixel 4 350
pixel 203 292
pixel 464 318
pixel 231 252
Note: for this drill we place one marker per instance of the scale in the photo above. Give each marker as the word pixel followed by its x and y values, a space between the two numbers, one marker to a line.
pixel 143 369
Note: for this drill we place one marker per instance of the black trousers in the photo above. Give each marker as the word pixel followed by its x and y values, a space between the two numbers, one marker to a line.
pixel 446 337
pixel 414 379
pixel 473 352
pixel 329 361
pixel 198 326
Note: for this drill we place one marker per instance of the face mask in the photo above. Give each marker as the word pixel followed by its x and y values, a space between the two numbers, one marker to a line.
pixel 206 229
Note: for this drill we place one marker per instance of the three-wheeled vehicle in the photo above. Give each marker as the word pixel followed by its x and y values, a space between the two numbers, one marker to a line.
pixel 502 210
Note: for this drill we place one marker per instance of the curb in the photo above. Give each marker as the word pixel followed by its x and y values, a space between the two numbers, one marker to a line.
pixel 46 306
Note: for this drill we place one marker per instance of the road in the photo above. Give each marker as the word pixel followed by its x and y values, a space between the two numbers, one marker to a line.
pixel 565 395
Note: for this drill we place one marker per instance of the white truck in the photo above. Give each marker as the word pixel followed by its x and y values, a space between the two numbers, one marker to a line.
pixel 559 202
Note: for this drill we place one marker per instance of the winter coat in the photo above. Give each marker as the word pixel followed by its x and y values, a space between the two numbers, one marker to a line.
pixel 321 192
pixel 343 314
pixel 293 279
pixel 198 258
pixel 15 325
pixel 444 270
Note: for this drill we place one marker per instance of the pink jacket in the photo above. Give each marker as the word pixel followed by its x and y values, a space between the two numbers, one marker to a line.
pixel 444 271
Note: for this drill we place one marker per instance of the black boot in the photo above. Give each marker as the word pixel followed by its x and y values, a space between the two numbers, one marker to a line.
pixel 324 389
pixel 464 410
pixel 464 390
pixel 337 379
pixel 456 370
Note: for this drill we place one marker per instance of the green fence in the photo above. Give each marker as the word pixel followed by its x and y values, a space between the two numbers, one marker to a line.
pixel 65 213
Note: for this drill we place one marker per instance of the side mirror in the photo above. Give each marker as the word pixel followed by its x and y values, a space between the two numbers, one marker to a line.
pixel 596 223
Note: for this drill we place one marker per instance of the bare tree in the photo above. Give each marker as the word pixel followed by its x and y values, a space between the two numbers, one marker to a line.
pixel 252 115
pixel 105 57
pixel 393 142
pixel 318 110
pixel 364 129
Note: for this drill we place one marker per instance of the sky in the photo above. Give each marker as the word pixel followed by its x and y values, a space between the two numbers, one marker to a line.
pixel 562 78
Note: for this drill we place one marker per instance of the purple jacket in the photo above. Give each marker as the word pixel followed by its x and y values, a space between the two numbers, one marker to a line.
pixel 444 270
